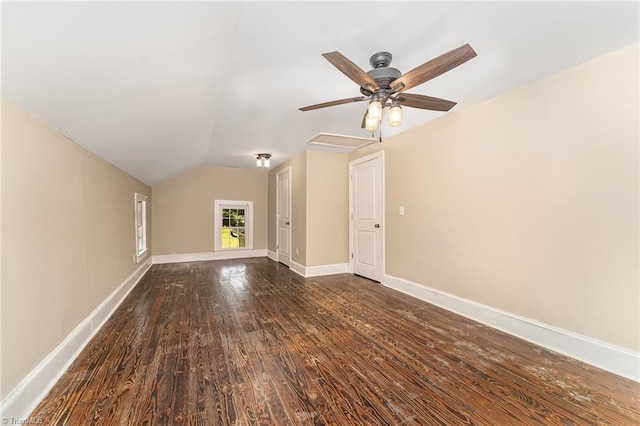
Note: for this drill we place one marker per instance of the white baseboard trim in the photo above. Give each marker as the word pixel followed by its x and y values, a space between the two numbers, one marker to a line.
pixel 218 255
pixel 272 255
pixel 297 268
pixel 318 271
pixel 19 403
pixel 615 359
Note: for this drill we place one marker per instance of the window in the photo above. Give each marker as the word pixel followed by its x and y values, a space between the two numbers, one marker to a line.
pixel 141 226
pixel 233 225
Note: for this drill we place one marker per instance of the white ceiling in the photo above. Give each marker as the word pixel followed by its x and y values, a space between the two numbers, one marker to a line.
pixel 159 88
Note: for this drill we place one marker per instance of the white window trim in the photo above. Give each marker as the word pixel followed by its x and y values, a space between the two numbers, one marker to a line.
pixel 218 205
pixel 141 254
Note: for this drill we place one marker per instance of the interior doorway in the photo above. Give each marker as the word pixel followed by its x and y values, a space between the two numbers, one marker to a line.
pixel 283 216
pixel 366 214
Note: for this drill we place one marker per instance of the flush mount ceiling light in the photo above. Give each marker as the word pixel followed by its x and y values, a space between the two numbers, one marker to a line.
pixel 263 160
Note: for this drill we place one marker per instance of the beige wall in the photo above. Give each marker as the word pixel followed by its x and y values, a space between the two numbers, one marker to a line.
pixel 298 228
pixel 528 202
pixel 319 208
pixel 68 238
pixel 327 208
pixel 271 210
pixel 183 207
pixel 299 209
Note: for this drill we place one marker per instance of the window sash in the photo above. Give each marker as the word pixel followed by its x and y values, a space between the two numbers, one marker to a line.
pixel 233 225
pixel 141 225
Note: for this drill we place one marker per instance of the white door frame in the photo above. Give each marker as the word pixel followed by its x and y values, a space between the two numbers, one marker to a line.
pixel 289 169
pixel 384 228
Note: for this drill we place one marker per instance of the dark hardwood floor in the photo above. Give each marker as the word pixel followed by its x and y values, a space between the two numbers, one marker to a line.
pixel 249 342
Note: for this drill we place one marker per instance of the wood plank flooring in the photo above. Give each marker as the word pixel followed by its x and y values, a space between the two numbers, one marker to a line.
pixel 248 342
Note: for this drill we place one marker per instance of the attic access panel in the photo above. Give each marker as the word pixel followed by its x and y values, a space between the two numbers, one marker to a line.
pixel 342 142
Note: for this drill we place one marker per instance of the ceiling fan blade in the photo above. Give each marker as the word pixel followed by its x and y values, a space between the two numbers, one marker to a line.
pixel 425 102
pixel 351 70
pixel 332 103
pixel 433 68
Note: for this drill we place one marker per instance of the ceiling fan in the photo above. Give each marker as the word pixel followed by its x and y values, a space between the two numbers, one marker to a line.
pixel 384 86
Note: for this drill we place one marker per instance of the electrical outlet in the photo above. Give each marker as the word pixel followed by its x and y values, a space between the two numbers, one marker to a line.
pixel 297 252
pixel 401 211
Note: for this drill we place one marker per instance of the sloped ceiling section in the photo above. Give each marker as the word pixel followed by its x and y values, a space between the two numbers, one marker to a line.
pixel 159 88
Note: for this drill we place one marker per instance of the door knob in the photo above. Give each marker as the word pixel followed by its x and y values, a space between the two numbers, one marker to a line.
pixel 287 223
pixel 377 225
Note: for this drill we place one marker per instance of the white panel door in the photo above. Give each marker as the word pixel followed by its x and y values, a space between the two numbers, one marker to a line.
pixel 366 211
pixel 283 213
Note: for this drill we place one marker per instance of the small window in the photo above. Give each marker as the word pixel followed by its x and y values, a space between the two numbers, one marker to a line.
pixel 233 225
pixel 141 226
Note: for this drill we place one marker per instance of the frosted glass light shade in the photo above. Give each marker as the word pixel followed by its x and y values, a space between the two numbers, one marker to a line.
pixel 395 116
pixel 375 110
pixel 371 124
pixel 266 162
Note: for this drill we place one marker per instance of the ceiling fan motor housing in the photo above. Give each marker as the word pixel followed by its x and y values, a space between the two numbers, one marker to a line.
pixel 384 76
pixel 382 73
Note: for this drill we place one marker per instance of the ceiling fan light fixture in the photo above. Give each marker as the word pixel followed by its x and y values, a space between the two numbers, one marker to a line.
pixel 384 85
pixel 371 124
pixel 395 115
pixel 263 160
pixel 374 111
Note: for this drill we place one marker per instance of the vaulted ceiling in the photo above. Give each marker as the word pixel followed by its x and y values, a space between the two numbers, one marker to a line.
pixel 159 88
